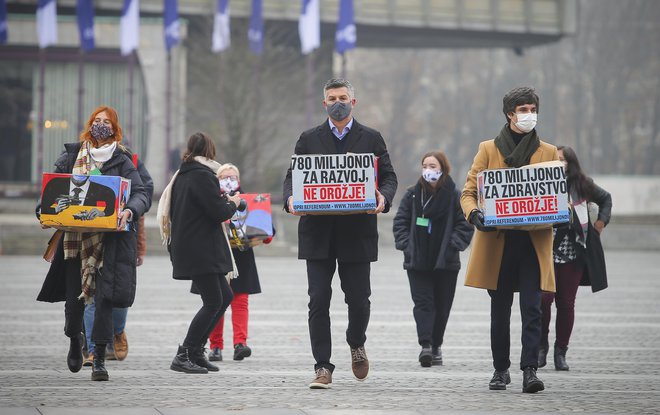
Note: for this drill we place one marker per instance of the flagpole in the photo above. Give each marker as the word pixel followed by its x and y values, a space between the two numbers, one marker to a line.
pixel 310 89
pixel 343 65
pixel 168 108
pixel 40 117
pixel 81 90
pixel 131 91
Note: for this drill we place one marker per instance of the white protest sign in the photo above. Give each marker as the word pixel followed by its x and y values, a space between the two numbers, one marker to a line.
pixel 333 182
pixel 530 195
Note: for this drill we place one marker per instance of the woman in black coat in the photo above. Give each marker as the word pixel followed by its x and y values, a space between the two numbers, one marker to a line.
pixel 430 229
pixel 578 256
pixel 199 249
pixel 108 273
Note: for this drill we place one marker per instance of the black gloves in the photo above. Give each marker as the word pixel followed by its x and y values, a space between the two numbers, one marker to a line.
pixel 477 219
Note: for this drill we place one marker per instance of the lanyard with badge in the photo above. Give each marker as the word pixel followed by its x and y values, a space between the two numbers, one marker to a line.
pixel 421 220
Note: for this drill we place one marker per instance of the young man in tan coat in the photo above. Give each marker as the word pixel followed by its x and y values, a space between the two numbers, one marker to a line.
pixel 506 261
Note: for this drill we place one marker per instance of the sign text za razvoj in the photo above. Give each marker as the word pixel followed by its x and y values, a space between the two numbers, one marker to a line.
pixel 529 195
pixel 333 182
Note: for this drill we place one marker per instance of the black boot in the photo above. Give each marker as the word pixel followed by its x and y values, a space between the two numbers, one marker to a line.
pixel 98 366
pixel 426 356
pixel 182 362
pixel 531 384
pixel 199 358
pixel 75 357
pixel 437 356
pixel 543 355
pixel 560 358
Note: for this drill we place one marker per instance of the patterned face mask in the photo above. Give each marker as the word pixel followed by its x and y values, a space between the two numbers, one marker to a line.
pixel 229 184
pixel 100 131
pixel 431 175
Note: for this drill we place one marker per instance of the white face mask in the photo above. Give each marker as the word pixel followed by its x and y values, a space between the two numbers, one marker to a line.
pixel 228 185
pixel 431 175
pixel 526 122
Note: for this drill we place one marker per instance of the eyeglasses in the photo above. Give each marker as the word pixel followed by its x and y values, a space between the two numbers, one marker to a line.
pixel 229 177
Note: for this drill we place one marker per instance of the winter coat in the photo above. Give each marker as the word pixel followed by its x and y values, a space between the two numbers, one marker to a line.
pixel 116 279
pixel 348 238
pixel 451 238
pixel 487 247
pixel 198 245
pixel 593 257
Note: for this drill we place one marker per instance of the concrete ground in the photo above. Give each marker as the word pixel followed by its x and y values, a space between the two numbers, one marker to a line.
pixel 614 353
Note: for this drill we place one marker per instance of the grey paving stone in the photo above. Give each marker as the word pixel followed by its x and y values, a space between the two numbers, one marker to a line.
pixel 614 353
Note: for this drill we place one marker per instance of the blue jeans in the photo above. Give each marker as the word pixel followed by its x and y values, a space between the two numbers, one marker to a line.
pixel 118 323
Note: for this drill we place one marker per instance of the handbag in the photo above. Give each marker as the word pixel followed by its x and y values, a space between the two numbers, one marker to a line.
pixel 54 241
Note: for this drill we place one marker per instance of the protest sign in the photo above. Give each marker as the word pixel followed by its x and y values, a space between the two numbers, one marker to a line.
pixel 80 203
pixel 333 183
pixel 530 195
pixel 250 227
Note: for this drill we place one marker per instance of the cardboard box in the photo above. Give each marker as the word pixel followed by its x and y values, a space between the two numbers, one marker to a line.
pixel 529 197
pixel 250 227
pixel 83 203
pixel 334 183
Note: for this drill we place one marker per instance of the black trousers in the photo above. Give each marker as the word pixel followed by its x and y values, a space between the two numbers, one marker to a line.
pixel 433 295
pixel 216 296
pixel 355 283
pixel 519 271
pixel 74 308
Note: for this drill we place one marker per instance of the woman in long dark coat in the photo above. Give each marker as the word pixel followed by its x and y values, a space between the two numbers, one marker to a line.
pixel 199 249
pixel 430 229
pixel 106 272
pixel 578 256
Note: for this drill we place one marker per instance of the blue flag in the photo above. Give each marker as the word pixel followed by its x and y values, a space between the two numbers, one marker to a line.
pixel 129 27
pixel 256 31
pixel 346 35
pixel 221 38
pixel 171 21
pixel 85 17
pixel 3 21
pixel 309 26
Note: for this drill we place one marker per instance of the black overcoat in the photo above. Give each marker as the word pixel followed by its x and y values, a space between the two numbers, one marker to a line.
pixel 197 210
pixel 348 238
pixel 455 236
pixel 116 280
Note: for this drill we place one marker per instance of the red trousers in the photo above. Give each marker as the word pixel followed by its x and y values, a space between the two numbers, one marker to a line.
pixel 239 321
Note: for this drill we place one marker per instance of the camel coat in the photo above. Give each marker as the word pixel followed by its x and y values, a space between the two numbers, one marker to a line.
pixel 487 247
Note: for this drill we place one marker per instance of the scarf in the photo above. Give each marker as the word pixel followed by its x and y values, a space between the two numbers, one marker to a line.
pixel 89 245
pixel 163 212
pixel 517 155
pixel 103 153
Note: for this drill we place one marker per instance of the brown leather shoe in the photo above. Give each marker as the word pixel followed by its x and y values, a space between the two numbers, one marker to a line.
pixel 323 379
pixel 359 363
pixel 120 345
pixel 89 359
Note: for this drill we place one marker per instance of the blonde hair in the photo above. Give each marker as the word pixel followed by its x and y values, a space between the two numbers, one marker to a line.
pixel 228 166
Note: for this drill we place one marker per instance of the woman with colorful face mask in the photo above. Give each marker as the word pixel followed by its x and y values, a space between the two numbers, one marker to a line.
pixel 247 283
pixel 430 229
pixel 97 266
pixel 577 254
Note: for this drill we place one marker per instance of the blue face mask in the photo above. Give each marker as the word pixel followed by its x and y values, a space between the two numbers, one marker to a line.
pixel 339 110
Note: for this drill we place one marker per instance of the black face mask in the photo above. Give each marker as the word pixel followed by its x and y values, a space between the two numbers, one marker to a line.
pixel 339 110
pixel 100 131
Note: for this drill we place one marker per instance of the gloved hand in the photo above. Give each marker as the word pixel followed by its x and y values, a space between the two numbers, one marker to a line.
pixel 477 219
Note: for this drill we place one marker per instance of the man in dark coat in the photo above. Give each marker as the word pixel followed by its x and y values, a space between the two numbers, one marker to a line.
pixel 347 241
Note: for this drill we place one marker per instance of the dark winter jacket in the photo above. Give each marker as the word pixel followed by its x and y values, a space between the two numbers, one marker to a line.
pixel 595 273
pixel 348 238
pixel 198 245
pixel 116 280
pixel 450 233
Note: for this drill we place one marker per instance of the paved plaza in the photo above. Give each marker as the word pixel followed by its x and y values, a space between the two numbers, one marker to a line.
pixel 614 353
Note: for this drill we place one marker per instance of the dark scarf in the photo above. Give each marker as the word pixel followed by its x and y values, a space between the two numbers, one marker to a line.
pixel 520 154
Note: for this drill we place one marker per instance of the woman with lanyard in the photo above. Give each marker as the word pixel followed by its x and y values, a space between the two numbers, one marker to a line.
pixel 430 229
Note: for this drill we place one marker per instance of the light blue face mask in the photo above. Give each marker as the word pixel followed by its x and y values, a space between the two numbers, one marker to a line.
pixel 431 175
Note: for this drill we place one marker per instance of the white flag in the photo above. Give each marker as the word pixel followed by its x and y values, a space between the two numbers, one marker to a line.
pixel 129 26
pixel 47 23
pixel 221 34
pixel 309 26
